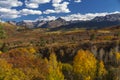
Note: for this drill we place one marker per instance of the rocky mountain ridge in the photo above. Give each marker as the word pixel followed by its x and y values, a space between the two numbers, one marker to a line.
pixel 60 23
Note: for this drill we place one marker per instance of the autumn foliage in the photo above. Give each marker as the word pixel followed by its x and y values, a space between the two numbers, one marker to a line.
pixel 84 65
pixel 26 64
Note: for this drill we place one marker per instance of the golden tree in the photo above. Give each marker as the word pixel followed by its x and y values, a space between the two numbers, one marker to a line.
pixel 101 71
pixel 54 69
pixel 84 65
pixel 9 73
pixel 24 58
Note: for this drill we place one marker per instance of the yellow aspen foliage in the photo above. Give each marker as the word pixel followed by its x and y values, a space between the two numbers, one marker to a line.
pixel 5 65
pixel 32 50
pixel 84 65
pixel 33 74
pixel 46 60
pixel 8 73
pixel 117 56
pixel 54 69
pixel 87 78
pixel 101 72
pixel 0 52
pixel 15 74
pixel 67 70
pixel 26 52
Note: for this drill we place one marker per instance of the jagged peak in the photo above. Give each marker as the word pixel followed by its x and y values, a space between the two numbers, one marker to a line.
pixel 60 19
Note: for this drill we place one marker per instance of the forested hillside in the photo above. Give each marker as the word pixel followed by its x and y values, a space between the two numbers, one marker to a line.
pixel 40 54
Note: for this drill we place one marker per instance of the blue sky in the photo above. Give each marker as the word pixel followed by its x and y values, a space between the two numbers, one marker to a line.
pixel 18 10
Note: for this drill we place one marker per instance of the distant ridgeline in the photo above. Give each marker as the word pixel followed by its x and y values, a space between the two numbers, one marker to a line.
pixel 61 24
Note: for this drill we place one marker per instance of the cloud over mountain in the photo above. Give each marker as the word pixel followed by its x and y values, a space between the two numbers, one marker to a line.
pixel 31 8
pixel 49 9
pixel 77 16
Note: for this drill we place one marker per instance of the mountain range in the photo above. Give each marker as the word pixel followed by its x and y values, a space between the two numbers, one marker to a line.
pixel 60 23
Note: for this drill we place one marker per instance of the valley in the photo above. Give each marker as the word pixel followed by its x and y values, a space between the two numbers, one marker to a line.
pixel 59 39
pixel 39 47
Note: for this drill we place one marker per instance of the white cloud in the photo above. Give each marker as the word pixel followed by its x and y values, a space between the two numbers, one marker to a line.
pixel 6 11
pixel 48 18
pixel 35 3
pixel 13 13
pixel 78 1
pixel 32 5
pixel 56 1
pixel 10 3
pixel 41 18
pixel 9 13
pixel 30 12
pixel 48 11
pixel 59 8
pixel 83 17
pixel 62 7
pixel 78 16
pixel 87 16
pixel 7 16
pixel 40 1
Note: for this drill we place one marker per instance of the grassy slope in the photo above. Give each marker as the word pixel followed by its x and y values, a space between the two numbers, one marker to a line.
pixel 56 37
